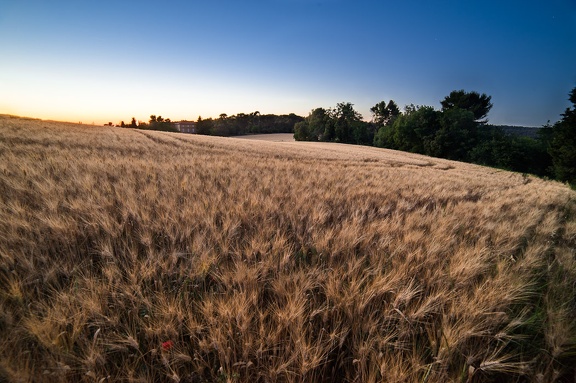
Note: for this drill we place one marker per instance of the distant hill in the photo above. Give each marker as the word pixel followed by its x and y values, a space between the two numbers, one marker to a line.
pixel 525 131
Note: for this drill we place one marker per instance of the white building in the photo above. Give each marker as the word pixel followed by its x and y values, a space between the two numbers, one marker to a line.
pixel 185 126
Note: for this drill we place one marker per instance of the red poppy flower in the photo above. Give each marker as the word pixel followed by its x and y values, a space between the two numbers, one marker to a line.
pixel 167 345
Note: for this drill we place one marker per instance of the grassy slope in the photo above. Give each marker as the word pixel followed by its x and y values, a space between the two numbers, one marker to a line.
pixel 275 262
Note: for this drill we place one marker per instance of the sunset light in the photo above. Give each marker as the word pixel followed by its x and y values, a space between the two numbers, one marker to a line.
pixel 287 191
pixel 112 61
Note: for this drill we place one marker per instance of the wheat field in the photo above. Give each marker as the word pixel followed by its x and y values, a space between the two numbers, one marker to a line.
pixel 140 256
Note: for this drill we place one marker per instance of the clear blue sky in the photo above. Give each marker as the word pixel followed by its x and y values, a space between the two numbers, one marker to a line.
pixel 112 60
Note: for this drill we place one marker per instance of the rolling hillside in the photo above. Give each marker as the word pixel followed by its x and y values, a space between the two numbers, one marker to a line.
pixel 135 256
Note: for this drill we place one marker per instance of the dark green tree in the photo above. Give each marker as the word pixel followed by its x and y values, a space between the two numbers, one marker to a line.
pixel 456 136
pixel 254 122
pixel 160 123
pixel 313 128
pixel 133 123
pixel 347 123
pixel 516 153
pixel 329 133
pixel 563 144
pixel 204 126
pixel 240 123
pixel 478 104
pixel 384 114
pixel 412 131
pixel 301 131
pixel 362 133
pixel 318 120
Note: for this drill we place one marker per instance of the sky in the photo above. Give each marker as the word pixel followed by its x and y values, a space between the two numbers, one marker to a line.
pixel 111 60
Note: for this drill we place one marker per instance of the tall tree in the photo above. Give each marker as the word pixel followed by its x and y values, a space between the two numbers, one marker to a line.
pixel 412 131
pixel 346 121
pixel 563 144
pixel 384 114
pixel 160 123
pixel 456 136
pixel 313 128
pixel 302 131
pixel 204 126
pixel 478 104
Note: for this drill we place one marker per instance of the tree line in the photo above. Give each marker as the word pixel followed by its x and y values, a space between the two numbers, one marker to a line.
pixel 458 131
pixel 224 125
pixel 252 123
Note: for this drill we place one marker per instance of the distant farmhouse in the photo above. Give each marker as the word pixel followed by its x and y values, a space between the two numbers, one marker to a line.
pixel 185 126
